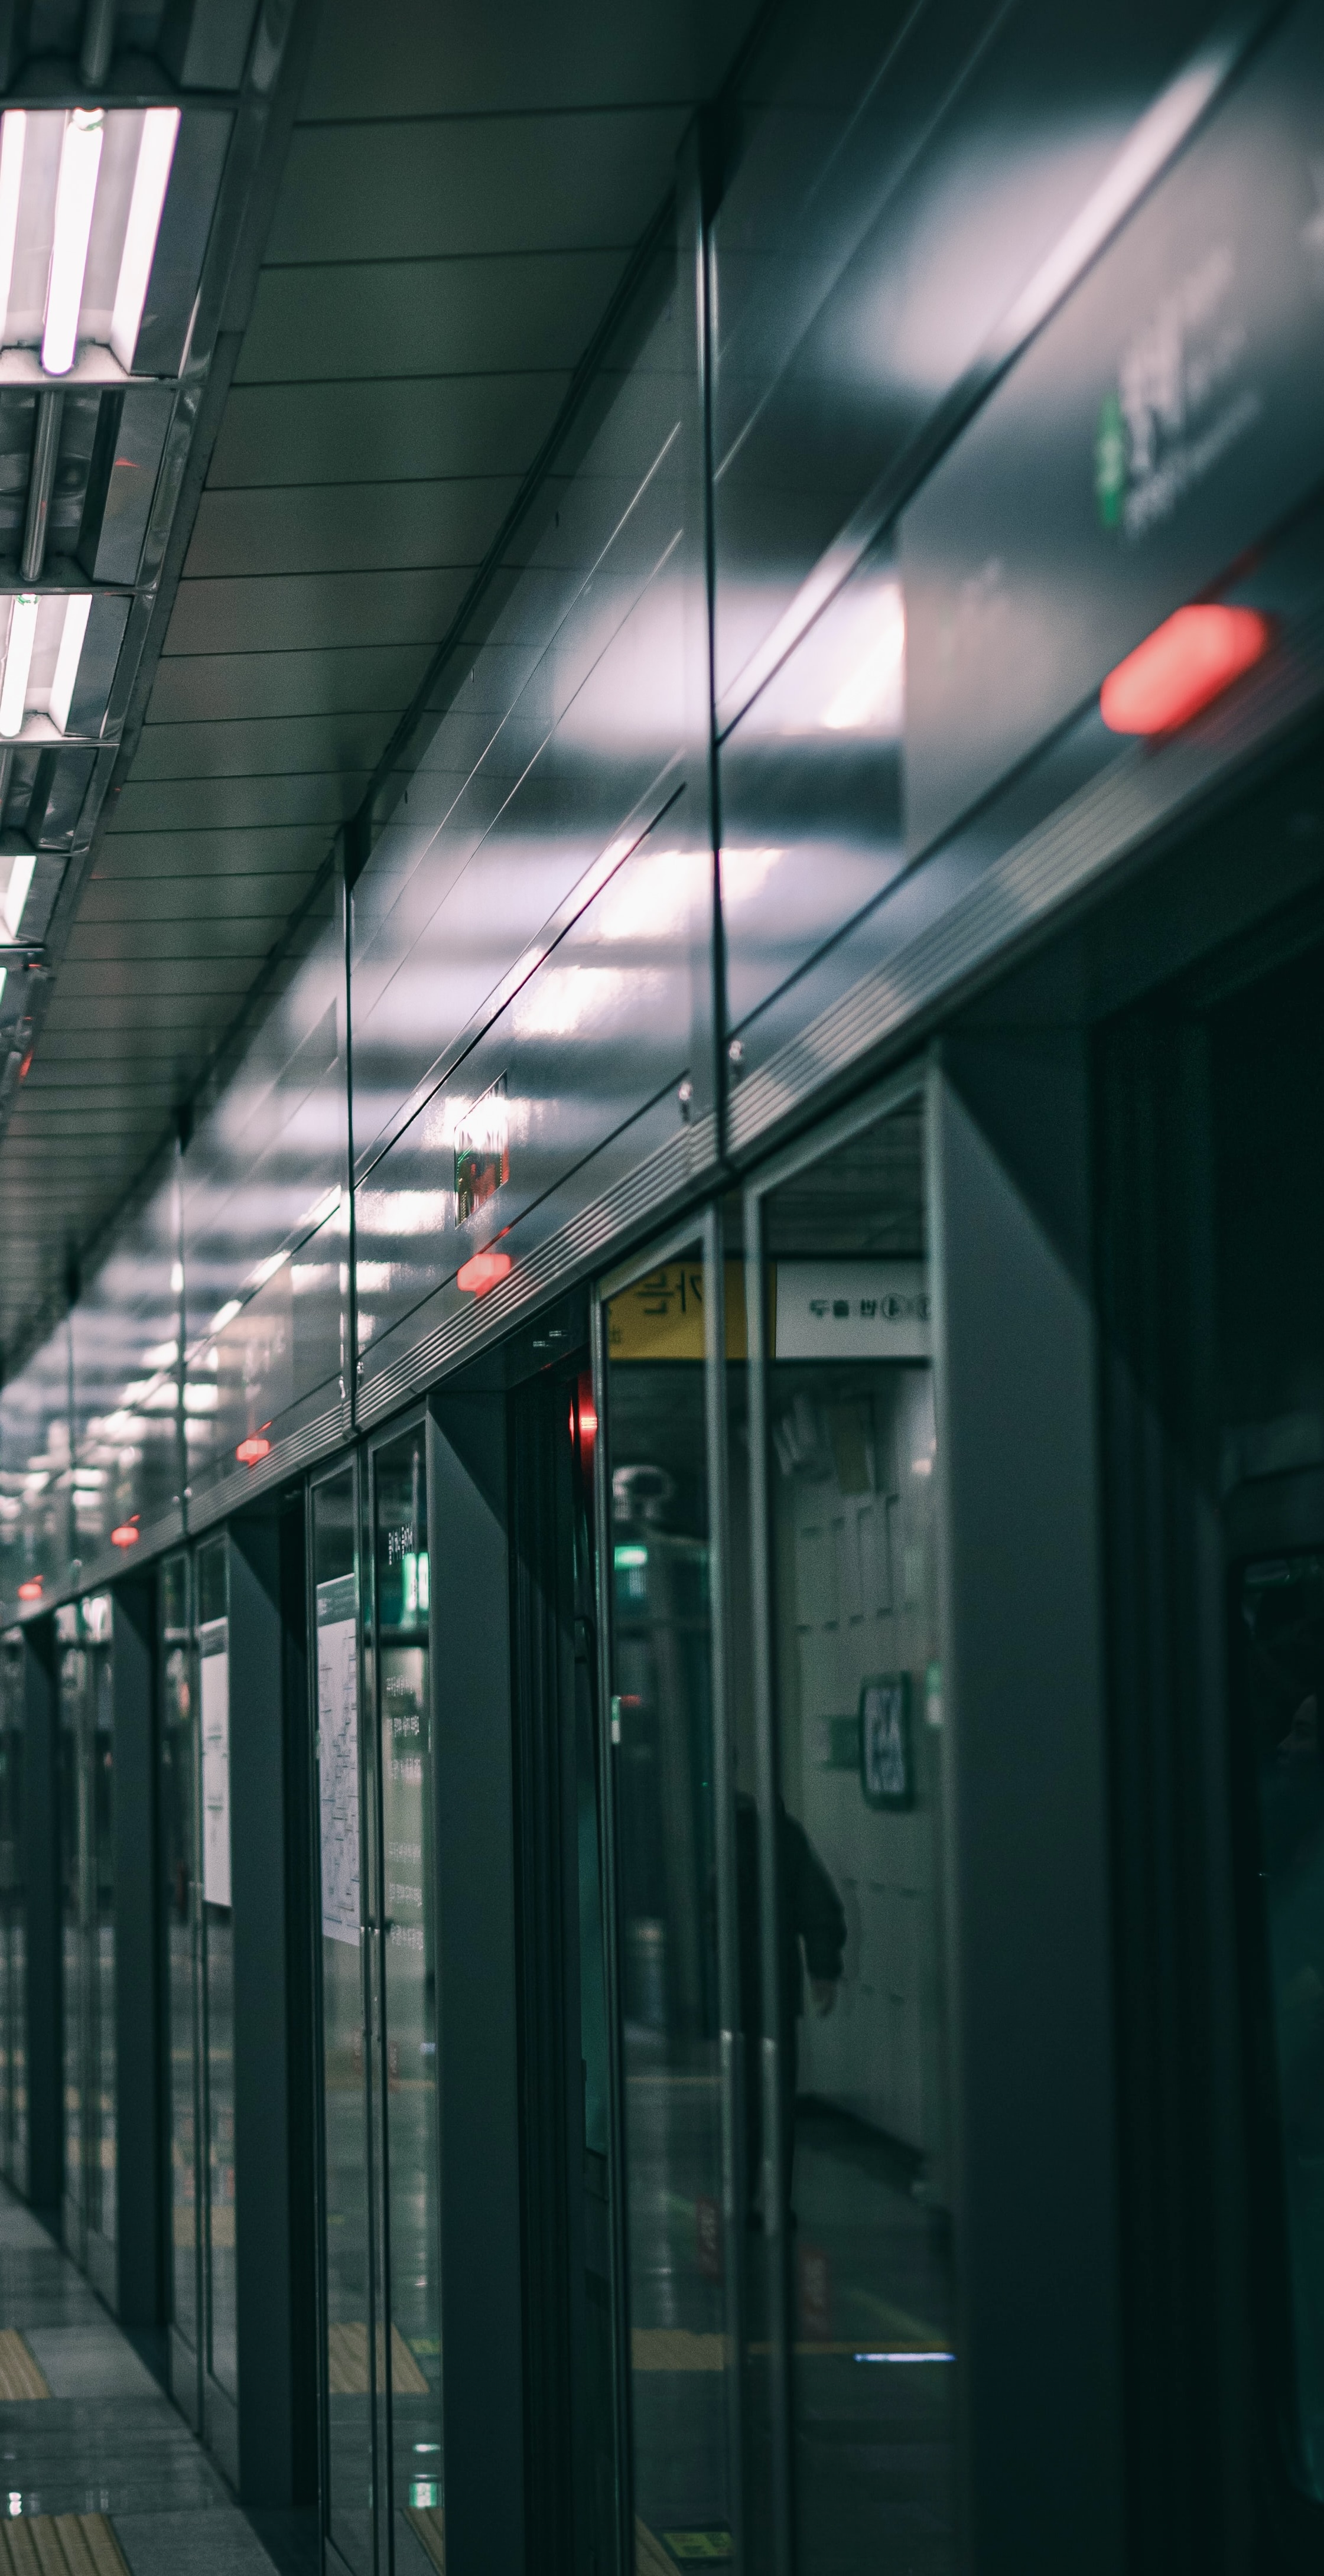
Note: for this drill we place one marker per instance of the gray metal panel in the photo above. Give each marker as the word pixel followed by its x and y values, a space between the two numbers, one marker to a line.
pixel 197 687
pixel 477 2001
pixel 107 621
pixel 180 806
pixel 203 43
pixel 1023 1694
pixel 262 747
pixel 138 2288
pixel 333 608
pixel 358 526
pixel 186 218
pixel 131 438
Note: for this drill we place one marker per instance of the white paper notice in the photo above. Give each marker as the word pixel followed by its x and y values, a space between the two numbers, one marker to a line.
pixel 214 1656
pixel 853 1310
pixel 338 1756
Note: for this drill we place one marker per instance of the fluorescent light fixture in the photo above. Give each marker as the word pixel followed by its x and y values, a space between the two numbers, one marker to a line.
pixel 75 196
pixel 76 615
pixel 151 179
pixel 4 971
pixel 18 663
pixel 16 893
pixel 13 135
pixel 224 1315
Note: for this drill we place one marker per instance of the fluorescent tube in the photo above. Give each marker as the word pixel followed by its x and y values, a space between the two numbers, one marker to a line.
pixel 18 663
pixel 4 970
pixel 16 893
pixel 155 154
pixel 75 196
pixel 76 615
pixel 13 135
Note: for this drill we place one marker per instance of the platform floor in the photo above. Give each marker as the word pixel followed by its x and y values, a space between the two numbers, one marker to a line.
pixel 107 2441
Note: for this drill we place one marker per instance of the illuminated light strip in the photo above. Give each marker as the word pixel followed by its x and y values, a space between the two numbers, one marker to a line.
pixel 156 153
pixel 1182 667
pixel 13 136
pixel 18 663
pixel 75 197
pixel 70 654
pixel 905 2356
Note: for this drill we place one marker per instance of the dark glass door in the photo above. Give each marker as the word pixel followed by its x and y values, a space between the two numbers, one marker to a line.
pixel 674 2152
pixel 220 2307
pixel 348 2266
pixel 382 2473
pixel 75 1916
pixel 403 1916
pixel 13 2105
pixel 101 2149
pixel 181 1937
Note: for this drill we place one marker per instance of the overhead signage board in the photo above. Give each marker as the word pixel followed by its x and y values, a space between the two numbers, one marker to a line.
pixel 1165 419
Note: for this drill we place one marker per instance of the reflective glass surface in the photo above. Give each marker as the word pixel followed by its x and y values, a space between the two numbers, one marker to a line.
pixel 347 2252
pixel 180 1928
pixel 213 1668
pixel 74 1913
pixel 412 2341
pixel 849 2182
pixel 99 1757
pixel 662 1725
pixel 13 2066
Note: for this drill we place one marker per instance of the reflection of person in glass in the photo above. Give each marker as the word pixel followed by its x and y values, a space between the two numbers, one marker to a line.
pixel 812 1937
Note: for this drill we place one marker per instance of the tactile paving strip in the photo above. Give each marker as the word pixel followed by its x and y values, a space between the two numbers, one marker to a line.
pixel 60 2544
pixel 19 2375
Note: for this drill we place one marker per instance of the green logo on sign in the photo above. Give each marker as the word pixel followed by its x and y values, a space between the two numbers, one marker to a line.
pixel 1110 462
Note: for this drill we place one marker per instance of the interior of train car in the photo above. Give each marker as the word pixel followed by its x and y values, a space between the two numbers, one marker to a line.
pixel 661 1289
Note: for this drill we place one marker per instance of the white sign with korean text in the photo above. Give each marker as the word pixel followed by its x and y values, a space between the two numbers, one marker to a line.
pixel 214 1659
pixel 853 1310
pixel 338 1756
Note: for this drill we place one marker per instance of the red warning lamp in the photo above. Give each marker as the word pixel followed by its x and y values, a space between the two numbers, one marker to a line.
pixel 483 1272
pixel 1183 666
pixel 31 1590
pixel 587 1412
pixel 126 1535
pixel 253 1450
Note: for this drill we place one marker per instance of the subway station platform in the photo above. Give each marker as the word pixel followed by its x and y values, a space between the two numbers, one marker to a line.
pixel 101 2474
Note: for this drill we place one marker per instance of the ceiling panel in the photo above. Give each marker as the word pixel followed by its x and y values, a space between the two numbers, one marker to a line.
pixel 454 59
pixel 351 678
pixel 201 898
pixel 426 317
pixel 328 608
pixel 182 806
pixel 397 429
pixel 274 747
pixel 562 182
pixel 351 526
pixel 295 850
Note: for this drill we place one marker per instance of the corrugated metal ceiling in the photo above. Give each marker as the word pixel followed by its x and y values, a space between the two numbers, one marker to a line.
pixel 462 193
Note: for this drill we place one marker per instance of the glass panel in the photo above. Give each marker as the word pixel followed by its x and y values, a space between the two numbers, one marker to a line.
pixel 661 1682
pixel 12 1670
pixel 855 2185
pixel 179 1869
pixel 218 1960
pixel 74 1839
pixel 410 1994
pixel 101 2171
pixel 347 2249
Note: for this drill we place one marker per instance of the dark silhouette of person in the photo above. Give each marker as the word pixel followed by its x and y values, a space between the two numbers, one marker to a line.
pixel 811 1936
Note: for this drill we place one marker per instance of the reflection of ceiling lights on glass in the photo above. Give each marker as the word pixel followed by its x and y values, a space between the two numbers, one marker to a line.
pixel 251 1451
pixel 871 699
pixel 21 871
pixel 81 199
pixel 484 1271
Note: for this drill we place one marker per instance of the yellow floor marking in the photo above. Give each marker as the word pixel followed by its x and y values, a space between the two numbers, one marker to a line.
pixel 676 2348
pixel 429 2521
pixel 19 2375
pixel 60 2544
pixel 347 2363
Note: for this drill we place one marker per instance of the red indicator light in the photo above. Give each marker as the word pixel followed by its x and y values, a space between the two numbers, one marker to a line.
pixel 1183 666
pixel 31 1590
pixel 125 1536
pixel 588 1416
pixel 483 1272
pixel 252 1450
